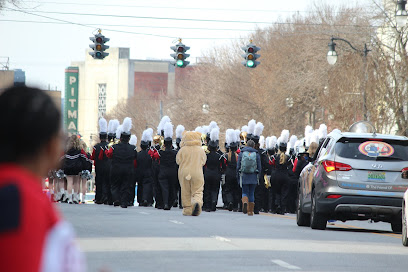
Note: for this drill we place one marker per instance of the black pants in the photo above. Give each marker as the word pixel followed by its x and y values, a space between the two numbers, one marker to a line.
pixel 211 188
pixel 157 193
pixel 232 190
pixel 99 182
pixel 168 182
pixel 261 195
pixel 281 185
pixel 139 182
pixel 121 178
pixel 292 194
pixel 132 189
pixel 147 193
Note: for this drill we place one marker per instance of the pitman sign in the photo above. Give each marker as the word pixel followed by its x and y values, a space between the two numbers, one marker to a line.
pixel 71 100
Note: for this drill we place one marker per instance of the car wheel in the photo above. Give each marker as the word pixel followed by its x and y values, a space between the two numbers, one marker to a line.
pixel 317 221
pixel 404 227
pixel 302 219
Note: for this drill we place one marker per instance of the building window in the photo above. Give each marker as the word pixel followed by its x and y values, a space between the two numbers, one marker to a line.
pixel 101 100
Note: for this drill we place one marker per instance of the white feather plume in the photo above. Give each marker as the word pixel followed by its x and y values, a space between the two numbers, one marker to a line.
pixel 113 126
pixel 314 137
pixel 292 141
pixel 103 125
pixel 244 129
pixel 229 136
pixel 147 135
pixel 322 131
pixel 298 143
pixel 119 131
pixel 261 142
pixel 259 127
pixel 127 125
pixel 199 129
pixel 133 140
pixel 251 126
pixel 212 125
pixel 284 136
pixel 273 141
pixel 215 134
pixel 279 140
pixel 205 129
pixel 237 136
pixel 267 142
pixel 168 130
pixel 179 131
pixel 163 121
pixel 110 126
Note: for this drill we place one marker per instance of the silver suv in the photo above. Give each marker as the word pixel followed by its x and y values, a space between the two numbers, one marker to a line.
pixel 354 176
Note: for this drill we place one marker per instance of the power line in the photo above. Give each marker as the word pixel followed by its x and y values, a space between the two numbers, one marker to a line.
pixel 183 19
pixel 180 8
pixel 119 31
pixel 283 34
pixel 132 26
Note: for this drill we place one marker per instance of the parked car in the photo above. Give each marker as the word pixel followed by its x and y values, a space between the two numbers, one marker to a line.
pixel 354 176
pixel 404 218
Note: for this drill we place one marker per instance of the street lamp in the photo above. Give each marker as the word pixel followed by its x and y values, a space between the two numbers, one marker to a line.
pixel 332 54
pixel 332 59
pixel 401 15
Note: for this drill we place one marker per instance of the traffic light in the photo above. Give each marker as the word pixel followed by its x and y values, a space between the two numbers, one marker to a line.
pixel 99 46
pixel 180 55
pixel 250 55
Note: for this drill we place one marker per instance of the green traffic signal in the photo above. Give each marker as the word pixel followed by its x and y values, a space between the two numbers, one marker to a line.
pixel 250 63
pixel 180 63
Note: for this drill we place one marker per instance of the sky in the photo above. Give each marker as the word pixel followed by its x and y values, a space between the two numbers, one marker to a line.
pixel 44 50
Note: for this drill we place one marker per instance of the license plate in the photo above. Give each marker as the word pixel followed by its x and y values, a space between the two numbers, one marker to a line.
pixel 376 176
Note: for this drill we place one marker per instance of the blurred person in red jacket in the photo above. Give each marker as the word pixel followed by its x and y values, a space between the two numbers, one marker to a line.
pixel 33 236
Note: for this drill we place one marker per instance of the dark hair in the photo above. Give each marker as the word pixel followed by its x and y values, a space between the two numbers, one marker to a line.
pixel 31 119
pixel 250 143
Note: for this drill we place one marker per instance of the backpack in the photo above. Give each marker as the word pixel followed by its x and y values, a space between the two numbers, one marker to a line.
pixel 248 162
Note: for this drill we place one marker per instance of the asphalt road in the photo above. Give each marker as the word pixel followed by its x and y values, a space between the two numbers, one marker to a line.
pixel 147 239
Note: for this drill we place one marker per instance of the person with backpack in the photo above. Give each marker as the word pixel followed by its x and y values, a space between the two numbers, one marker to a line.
pixel 248 169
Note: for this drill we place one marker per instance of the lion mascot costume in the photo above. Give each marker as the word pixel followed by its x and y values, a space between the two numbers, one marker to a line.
pixel 191 158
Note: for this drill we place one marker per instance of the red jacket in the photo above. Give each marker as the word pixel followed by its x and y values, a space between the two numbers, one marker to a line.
pixel 33 230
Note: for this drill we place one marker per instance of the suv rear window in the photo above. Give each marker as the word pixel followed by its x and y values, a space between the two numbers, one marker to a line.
pixel 372 149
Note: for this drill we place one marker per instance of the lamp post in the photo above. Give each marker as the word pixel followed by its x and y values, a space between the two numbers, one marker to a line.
pixel 332 59
pixel 401 14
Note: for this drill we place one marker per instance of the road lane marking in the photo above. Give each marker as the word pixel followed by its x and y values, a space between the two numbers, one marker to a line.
pixel 144 213
pixel 279 215
pixel 222 239
pixel 285 265
pixel 176 222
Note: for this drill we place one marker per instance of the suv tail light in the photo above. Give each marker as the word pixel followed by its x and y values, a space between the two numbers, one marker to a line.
pixel 404 174
pixel 330 166
pixel 333 196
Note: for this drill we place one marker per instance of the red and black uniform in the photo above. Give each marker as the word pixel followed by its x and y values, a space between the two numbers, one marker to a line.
pixel 157 193
pixel 123 156
pixel 144 178
pixel 168 177
pixel 232 188
pixel 213 170
pixel 261 193
pixel 102 170
pixel 32 235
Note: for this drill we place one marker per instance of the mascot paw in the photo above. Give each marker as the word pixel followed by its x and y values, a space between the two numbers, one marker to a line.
pixel 188 177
